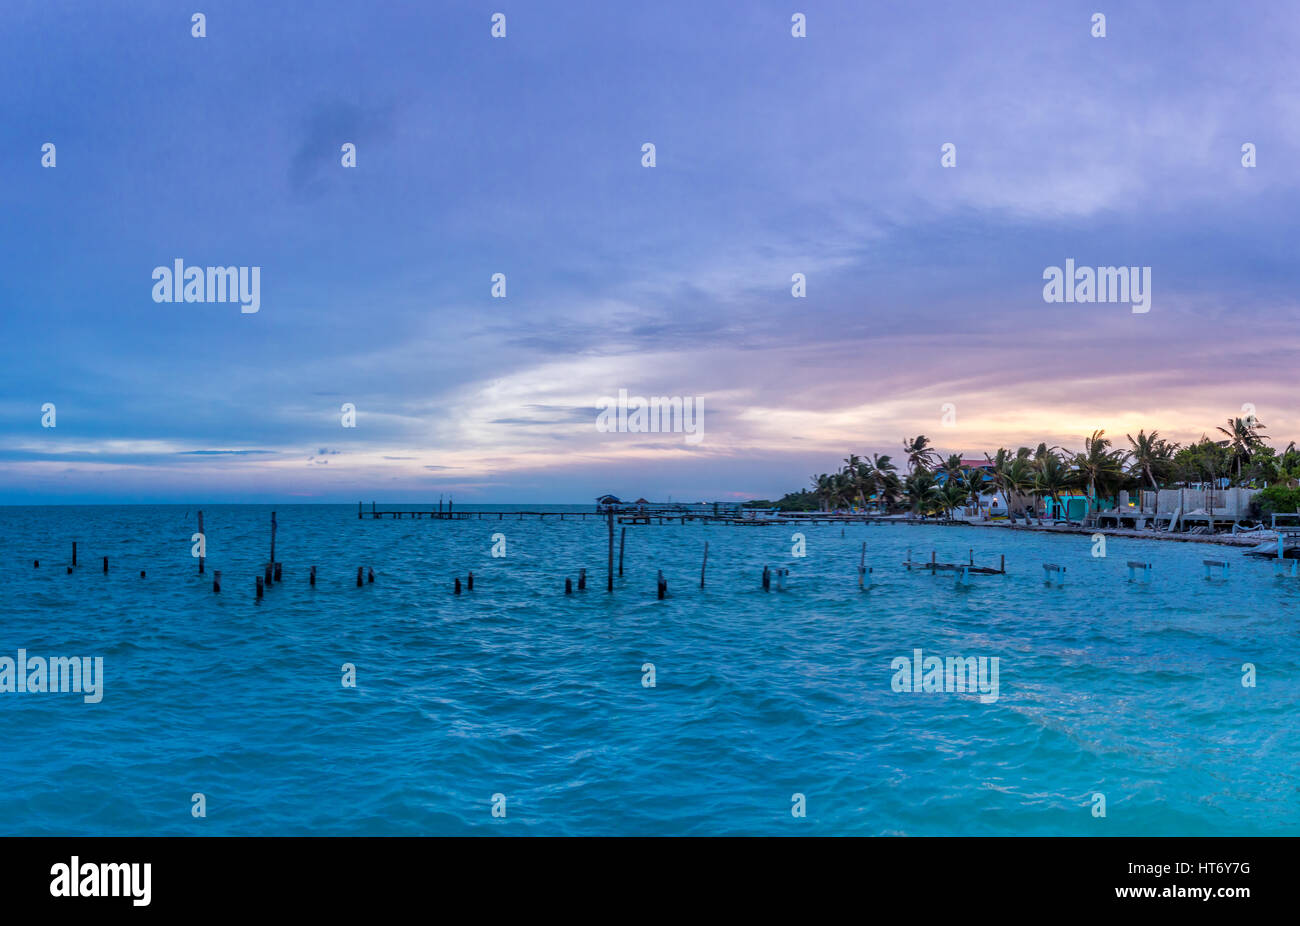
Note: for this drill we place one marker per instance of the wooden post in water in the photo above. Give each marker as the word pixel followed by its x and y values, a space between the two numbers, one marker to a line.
pixel 371 574
pixel 259 588
pixel 361 575
pixel 568 586
pixel 705 564
pixel 74 552
pixel 36 564
pixel 609 519
pixel 312 580
pixel 216 580
pixel 582 580
pixel 278 567
pixel 277 578
pixel 767 579
pixel 105 565
pixel 622 538
pixel 203 543
pixel 358 511
pixel 663 585
pixel 266 576
pixel 142 573
pixel 470 581
pixel 457 585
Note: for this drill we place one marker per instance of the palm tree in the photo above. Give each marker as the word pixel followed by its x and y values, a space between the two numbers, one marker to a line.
pixel 952 469
pixel 1095 463
pixel 1151 454
pixel 920 455
pixel 1244 436
pixel 1051 477
pixel 997 473
pixel 889 486
pixel 1042 450
pixel 975 481
pixel 842 490
pixel 922 491
pixel 823 489
pixel 1019 476
pixel 952 496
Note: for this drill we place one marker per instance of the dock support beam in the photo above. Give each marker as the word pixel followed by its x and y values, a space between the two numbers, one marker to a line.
pixel 609 583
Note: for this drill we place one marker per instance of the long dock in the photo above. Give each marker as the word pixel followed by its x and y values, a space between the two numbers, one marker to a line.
pixel 658 514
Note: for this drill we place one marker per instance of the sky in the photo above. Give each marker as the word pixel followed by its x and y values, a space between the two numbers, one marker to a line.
pixel 775 155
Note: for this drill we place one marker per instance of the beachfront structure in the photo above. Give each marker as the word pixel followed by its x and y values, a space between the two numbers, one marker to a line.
pixel 1071 506
pixel 1178 509
pixel 729 509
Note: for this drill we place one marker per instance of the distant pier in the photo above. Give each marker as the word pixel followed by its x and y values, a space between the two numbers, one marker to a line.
pixel 729 513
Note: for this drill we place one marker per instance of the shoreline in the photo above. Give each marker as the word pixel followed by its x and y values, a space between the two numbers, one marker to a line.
pixel 1252 539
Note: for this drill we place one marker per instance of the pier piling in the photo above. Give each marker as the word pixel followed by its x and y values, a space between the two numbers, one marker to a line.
pixel 361 576
pixel 767 579
pixel 568 586
pixel 1134 565
pixel 609 584
pixel 36 564
pixel 663 585
pixel 705 563
pixel 203 543
pixel 1220 564
pixel 268 576
pixel 370 574
pixel 74 553
pixel 259 588
pixel 312 579
pixel 582 580
pixel 469 581
pixel 622 538
pixel 105 565
pixel 216 581
pixel 457 586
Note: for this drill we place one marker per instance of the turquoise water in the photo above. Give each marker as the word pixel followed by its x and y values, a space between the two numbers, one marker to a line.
pixel 1126 689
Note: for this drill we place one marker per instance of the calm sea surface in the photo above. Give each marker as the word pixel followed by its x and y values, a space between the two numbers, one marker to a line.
pixel 1125 689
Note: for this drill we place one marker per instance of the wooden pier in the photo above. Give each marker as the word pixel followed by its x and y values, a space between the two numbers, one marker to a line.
pixel 714 513
pixel 967 568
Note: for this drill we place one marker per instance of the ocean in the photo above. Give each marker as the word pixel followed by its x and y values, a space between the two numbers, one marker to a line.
pixel 515 709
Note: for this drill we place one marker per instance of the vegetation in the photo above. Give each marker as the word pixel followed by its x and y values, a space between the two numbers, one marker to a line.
pixel 937 486
pixel 1279 500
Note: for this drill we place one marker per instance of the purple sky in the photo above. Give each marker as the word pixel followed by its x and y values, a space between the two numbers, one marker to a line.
pixel 775 155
